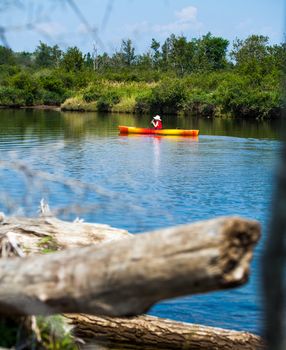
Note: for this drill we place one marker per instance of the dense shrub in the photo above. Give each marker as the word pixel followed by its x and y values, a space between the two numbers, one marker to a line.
pixel 67 79
pixel 240 98
pixel 106 101
pixel 143 102
pixel 199 102
pixel 10 96
pixel 52 84
pixel 93 93
pixel 8 71
pixel 52 98
pixel 29 87
pixel 168 96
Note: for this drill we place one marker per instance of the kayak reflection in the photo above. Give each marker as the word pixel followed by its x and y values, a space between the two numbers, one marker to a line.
pixel 168 137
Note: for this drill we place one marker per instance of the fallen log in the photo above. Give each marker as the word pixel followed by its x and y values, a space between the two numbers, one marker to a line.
pixel 126 277
pixel 153 332
pixel 34 234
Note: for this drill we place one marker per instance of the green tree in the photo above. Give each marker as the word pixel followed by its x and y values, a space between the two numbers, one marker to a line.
pixel 210 52
pixel 279 53
pixel 166 54
pixel 156 55
pixel 117 60
pixel 181 54
pixel 128 52
pixel 24 59
pixel 277 57
pixel 73 60
pixel 251 55
pixel 57 55
pixel 103 61
pixel 145 61
pixel 6 56
pixel 47 56
pixel 88 60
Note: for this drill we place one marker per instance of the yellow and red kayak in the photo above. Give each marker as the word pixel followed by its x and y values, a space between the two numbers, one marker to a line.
pixel 177 132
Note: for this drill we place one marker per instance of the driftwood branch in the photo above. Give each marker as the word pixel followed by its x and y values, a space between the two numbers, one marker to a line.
pixel 31 233
pixel 126 277
pixel 153 332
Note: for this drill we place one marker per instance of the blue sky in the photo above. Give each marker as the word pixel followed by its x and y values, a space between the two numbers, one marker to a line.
pixel 106 22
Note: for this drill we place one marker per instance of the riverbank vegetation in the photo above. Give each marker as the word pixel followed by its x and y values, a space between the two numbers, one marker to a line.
pixel 201 76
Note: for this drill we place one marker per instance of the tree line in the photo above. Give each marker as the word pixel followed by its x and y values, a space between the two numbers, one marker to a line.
pixel 202 75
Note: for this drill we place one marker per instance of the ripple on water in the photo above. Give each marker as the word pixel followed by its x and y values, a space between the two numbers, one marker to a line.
pixel 154 182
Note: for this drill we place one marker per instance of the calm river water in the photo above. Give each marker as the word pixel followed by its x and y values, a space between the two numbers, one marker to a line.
pixel 141 183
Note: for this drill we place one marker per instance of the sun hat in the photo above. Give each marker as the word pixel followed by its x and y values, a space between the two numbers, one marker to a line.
pixel 157 117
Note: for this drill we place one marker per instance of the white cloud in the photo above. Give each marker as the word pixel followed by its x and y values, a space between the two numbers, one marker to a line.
pixel 137 28
pixel 185 19
pixel 245 24
pixel 187 14
pixel 268 31
pixel 248 27
pixel 51 28
pixel 173 27
pixel 83 29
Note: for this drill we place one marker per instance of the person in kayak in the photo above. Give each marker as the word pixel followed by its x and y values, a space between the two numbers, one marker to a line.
pixel 157 122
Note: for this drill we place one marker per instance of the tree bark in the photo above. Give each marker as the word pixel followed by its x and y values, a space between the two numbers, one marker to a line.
pixel 126 277
pixel 152 332
pixel 274 261
pixel 33 234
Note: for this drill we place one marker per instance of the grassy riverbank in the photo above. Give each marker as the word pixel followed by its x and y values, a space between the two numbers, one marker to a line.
pixel 201 76
pixel 107 95
pixel 216 94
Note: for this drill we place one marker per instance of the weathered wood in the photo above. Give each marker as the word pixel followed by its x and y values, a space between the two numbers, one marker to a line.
pixel 152 332
pixel 30 232
pixel 126 277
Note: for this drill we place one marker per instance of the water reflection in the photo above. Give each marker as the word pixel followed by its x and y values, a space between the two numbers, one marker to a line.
pixel 74 125
pixel 156 150
pixel 156 141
